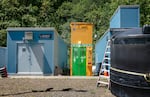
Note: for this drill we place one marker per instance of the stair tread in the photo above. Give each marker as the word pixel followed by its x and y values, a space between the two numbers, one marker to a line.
pixel 102 82
pixel 102 76
pixel 106 64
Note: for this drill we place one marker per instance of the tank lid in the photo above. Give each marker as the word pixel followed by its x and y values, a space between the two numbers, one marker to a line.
pixel 146 29
pixel 134 32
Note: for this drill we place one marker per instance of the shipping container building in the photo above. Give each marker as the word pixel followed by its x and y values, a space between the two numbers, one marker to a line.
pixel 81 49
pixel 126 16
pixel 35 51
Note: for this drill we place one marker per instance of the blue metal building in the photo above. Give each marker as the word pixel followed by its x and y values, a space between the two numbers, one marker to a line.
pixel 35 51
pixel 3 56
pixel 127 16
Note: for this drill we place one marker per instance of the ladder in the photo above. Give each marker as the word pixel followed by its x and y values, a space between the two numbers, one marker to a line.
pixel 104 73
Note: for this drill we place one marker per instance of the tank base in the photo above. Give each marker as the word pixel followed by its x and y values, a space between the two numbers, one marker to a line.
pixel 124 91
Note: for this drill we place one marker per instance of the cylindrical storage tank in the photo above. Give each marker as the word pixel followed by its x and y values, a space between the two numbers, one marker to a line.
pixel 130 64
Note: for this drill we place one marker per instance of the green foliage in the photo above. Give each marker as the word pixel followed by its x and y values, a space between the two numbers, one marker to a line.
pixel 60 13
pixel 2 38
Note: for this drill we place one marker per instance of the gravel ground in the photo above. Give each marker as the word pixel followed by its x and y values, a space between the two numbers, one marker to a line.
pixel 52 87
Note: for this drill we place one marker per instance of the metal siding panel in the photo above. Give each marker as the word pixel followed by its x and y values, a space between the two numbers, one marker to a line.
pixel 37 55
pixel 81 31
pixel 55 52
pixel 89 61
pixel 31 29
pixel 12 58
pixel 115 21
pixel 16 35
pixel 62 53
pixel 71 61
pixel 100 48
pixel 6 57
pixel 11 46
pixel 129 17
pixel 19 35
pixel 37 35
pixel 48 56
pixel 60 60
pixel 3 54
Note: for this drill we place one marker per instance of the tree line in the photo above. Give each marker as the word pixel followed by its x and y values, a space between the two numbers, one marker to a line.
pixel 60 13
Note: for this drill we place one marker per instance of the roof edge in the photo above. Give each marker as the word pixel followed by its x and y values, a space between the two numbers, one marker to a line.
pixel 81 23
pixel 31 28
pixel 124 6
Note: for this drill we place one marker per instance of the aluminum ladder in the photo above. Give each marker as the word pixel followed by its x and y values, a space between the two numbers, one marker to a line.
pixel 104 73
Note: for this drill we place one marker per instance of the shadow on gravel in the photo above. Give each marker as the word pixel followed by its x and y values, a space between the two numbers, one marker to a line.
pixel 46 90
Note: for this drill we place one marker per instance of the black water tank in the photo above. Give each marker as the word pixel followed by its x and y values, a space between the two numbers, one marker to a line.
pixel 130 63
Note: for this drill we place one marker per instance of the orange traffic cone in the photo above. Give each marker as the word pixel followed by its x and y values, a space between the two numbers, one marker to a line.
pixel 106 73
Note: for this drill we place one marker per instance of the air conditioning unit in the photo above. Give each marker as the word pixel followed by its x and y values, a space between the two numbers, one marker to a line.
pixel 28 36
